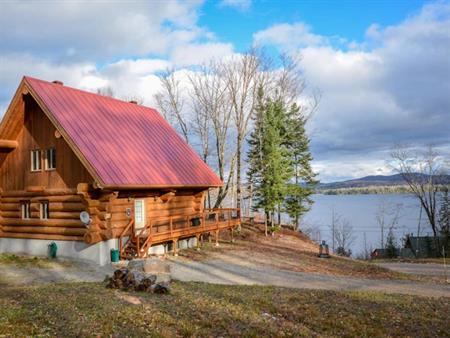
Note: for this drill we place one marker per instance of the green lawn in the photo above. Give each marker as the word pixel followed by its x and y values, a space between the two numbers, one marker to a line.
pixel 197 309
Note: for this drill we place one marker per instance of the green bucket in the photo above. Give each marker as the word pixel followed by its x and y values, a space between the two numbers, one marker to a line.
pixel 115 255
pixel 52 250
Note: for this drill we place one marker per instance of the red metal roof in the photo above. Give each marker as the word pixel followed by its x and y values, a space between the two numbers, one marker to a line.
pixel 125 144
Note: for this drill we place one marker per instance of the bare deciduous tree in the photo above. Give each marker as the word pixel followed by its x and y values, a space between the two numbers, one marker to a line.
pixel 343 235
pixel 106 91
pixel 170 101
pixel 209 94
pixel 241 76
pixel 387 217
pixel 422 171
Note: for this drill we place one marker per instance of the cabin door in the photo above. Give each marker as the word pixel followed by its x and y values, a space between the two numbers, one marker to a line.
pixel 139 213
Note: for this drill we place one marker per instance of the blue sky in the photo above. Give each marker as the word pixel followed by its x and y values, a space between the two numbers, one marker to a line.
pixel 383 67
pixel 348 19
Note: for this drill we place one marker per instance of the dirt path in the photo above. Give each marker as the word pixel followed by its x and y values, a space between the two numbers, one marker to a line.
pixel 226 272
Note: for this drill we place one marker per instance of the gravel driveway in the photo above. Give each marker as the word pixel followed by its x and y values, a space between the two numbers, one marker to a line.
pixel 221 272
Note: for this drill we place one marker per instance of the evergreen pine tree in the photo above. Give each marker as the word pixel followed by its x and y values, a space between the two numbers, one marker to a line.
pixel 444 213
pixel 444 221
pixel 391 247
pixel 298 200
pixel 268 156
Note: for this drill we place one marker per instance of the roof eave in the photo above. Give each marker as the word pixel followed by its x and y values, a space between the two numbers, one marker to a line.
pixel 155 186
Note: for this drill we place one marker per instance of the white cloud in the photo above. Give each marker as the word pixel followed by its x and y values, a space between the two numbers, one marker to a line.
pixel 97 44
pixel 97 30
pixel 391 88
pixel 194 54
pixel 289 36
pixel 238 4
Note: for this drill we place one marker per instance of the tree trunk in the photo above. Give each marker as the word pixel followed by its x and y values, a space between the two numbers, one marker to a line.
pixel 238 173
pixel 279 215
pixel 265 223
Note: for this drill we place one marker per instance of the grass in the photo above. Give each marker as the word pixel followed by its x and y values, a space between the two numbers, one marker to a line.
pixel 413 260
pixel 197 309
pixel 39 262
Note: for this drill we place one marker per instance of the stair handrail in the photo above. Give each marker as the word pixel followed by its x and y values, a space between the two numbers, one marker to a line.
pixel 122 234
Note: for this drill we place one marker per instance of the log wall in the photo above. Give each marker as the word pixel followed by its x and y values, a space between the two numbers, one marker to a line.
pixel 64 223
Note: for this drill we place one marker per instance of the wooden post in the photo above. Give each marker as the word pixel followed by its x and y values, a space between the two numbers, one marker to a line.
pixel 198 242
pixel 232 235
pixel 171 225
pixel 175 247
pixel 217 238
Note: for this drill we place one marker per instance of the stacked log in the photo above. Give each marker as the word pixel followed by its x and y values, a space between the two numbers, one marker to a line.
pixel 126 279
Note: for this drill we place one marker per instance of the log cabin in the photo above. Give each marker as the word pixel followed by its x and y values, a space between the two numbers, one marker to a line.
pixel 93 173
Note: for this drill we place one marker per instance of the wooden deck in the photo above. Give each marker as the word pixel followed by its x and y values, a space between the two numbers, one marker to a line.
pixel 135 242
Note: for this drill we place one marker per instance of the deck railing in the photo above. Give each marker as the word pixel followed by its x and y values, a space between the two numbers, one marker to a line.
pixel 171 228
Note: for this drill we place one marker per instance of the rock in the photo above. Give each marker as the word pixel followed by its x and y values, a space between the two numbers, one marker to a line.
pixel 156 266
pixel 136 264
pixel 161 288
pixel 163 278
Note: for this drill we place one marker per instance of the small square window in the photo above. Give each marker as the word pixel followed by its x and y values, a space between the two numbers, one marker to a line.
pixel 44 212
pixel 50 159
pixel 26 209
pixel 36 164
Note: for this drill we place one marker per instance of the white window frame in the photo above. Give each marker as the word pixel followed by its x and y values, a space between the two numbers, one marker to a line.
pixel 26 209
pixel 44 212
pixel 50 159
pixel 36 160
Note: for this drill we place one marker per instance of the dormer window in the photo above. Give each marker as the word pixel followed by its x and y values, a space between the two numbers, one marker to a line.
pixel 36 164
pixel 50 159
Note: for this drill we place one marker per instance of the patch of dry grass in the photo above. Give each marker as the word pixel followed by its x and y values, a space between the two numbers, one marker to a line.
pixel 33 261
pixel 197 309
pixel 291 251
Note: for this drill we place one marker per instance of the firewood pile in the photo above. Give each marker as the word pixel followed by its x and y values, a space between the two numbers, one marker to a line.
pixel 129 279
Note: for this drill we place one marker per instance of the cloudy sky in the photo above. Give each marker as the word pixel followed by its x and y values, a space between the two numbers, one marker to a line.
pixel 383 67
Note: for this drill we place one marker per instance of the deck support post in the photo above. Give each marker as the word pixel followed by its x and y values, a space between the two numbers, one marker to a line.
pixel 217 238
pixel 198 242
pixel 175 247
pixel 232 234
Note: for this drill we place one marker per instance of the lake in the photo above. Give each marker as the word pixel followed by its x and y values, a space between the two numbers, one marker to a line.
pixel 360 211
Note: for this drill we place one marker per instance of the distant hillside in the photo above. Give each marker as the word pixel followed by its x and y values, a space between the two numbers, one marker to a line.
pixel 373 181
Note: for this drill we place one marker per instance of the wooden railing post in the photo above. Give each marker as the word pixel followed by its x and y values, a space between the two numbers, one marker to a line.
pixel 138 246
pixel 171 225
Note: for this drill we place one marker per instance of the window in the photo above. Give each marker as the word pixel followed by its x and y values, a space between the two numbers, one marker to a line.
pixel 44 210
pixel 50 159
pixel 26 209
pixel 36 160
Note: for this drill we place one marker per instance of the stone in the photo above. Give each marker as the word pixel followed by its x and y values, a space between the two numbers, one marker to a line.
pixel 156 266
pixel 136 264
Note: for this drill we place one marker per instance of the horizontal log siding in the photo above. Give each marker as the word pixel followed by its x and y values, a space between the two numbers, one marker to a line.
pixel 64 223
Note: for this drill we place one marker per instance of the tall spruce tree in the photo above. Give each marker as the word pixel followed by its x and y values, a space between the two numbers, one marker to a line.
pixel 298 200
pixel 268 156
